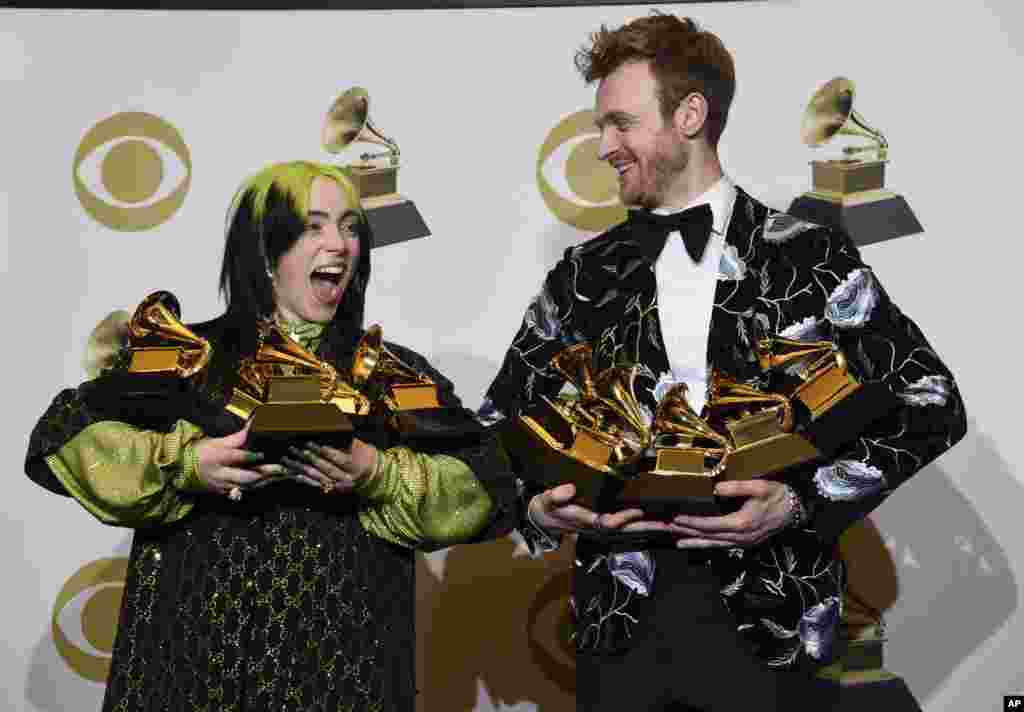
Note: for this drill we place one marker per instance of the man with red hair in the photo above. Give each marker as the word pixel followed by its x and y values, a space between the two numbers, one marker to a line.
pixel 740 609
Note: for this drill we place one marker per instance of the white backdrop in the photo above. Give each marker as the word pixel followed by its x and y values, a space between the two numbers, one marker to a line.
pixel 471 96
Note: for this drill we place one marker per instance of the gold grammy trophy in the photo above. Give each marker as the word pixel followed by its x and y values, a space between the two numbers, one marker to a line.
pixel 404 399
pixel 599 439
pixel 292 396
pixel 393 217
pixel 160 345
pixel 377 370
pixel 583 439
pixel 849 192
pixel 156 361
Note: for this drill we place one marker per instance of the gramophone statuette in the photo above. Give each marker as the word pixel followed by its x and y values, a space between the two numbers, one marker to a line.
pixel 157 363
pixel 160 344
pixel 392 216
pixel 850 192
pixel 600 440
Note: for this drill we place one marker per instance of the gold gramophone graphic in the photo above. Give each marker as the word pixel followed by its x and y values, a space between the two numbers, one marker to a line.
pixel 290 394
pixel 160 344
pixel 393 217
pixel 850 192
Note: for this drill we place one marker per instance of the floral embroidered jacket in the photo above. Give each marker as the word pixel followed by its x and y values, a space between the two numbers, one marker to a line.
pixel 778 275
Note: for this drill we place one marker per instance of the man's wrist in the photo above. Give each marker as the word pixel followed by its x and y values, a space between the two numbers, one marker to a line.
pixel 797 516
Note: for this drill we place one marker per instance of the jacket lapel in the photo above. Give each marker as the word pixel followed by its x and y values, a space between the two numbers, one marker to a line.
pixel 735 322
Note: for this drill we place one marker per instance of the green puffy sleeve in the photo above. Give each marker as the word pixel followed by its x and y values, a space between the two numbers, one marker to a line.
pixel 422 501
pixel 129 477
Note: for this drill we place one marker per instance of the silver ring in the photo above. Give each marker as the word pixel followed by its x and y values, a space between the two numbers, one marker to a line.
pixel 235 493
pixel 597 522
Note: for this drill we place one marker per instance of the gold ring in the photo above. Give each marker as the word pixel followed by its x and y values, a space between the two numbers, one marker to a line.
pixel 235 493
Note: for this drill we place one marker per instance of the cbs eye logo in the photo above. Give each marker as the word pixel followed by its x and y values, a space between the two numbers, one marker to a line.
pixel 577 187
pixel 132 171
pixel 85 616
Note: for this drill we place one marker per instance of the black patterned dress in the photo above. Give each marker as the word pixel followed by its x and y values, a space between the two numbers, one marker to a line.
pixel 288 599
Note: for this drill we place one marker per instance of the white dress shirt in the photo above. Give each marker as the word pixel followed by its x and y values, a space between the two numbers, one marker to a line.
pixel 686 293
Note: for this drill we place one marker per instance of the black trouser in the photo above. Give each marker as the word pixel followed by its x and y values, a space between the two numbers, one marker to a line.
pixel 688 657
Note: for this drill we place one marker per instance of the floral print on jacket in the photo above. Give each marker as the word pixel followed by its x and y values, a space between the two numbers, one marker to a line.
pixel 778 275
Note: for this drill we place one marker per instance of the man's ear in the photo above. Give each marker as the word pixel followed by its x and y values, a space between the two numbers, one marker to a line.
pixel 691 115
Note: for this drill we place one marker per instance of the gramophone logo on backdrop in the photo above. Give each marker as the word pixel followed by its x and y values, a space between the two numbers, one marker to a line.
pixel 84 620
pixel 577 187
pixel 132 171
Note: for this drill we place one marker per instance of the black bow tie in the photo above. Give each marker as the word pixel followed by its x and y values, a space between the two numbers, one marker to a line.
pixel 694 224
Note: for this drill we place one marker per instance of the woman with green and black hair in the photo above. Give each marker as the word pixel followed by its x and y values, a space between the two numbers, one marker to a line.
pixel 286 597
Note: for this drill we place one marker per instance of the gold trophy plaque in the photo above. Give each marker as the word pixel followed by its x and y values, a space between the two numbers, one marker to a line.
pixel 392 216
pixel 850 192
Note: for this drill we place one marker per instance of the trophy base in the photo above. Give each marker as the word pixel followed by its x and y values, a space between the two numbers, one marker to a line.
pixel 148 400
pixel 155 360
pixel 679 482
pixel 435 426
pixel 836 427
pixel 276 426
pixel 847 175
pixel 373 180
pixel 771 455
pixel 549 463
pixel 394 219
pixel 875 217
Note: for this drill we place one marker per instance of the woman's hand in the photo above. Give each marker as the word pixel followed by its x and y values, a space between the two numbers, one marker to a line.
pixel 337 470
pixel 225 467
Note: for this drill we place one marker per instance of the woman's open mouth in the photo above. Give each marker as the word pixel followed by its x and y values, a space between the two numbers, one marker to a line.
pixel 326 283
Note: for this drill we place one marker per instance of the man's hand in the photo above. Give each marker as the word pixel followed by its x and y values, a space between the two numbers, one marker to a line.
pixel 553 510
pixel 223 463
pixel 336 470
pixel 766 511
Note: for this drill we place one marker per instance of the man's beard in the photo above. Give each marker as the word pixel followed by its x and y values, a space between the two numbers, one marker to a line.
pixel 665 167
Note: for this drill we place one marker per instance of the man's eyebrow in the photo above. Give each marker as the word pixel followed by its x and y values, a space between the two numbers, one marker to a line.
pixel 615 117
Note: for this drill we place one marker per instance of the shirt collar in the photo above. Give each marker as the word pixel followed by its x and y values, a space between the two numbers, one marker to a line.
pixel 720 196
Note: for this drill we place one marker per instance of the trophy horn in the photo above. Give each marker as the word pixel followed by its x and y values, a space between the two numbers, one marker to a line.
pixel 575 364
pixel 158 319
pixel 779 352
pixel 675 416
pixel 277 349
pixel 348 121
pixel 727 395
pixel 373 360
pixel 614 388
pixel 830 113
